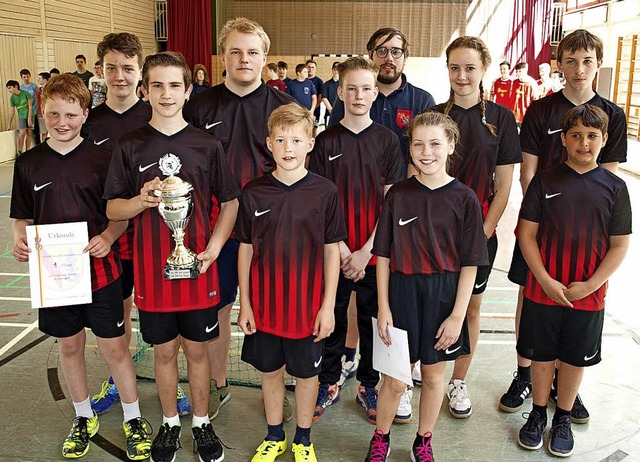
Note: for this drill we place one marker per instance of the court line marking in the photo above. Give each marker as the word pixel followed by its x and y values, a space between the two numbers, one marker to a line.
pixel 19 337
pixel 16 299
pixel 14 274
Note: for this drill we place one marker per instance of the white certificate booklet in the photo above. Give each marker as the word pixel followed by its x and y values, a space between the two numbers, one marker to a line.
pixel 392 360
pixel 59 270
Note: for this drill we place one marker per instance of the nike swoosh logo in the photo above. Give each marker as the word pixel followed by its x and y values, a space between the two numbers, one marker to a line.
pixel 317 363
pixel 38 188
pixel 121 323
pixel 402 222
pixel 142 169
pixel 590 357
pixel 551 132
pixel 334 157
pixel 259 214
pixel 477 286
pixel 549 196
pixel 208 126
pixel 448 351
pixel 98 143
pixel 208 329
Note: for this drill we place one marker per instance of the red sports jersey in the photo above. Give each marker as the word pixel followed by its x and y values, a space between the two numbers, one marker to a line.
pixel 523 93
pixel 360 164
pixel 135 162
pixel 576 215
pixel 502 92
pixel 49 187
pixel 541 128
pixel 288 227
pixel 104 126
pixel 426 231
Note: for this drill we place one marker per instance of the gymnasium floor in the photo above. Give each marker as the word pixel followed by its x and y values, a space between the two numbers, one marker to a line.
pixel 36 410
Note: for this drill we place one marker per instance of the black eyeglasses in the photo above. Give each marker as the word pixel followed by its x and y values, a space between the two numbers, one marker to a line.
pixel 382 52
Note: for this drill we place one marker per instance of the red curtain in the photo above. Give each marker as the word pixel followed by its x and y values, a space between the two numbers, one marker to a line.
pixel 530 39
pixel 189 30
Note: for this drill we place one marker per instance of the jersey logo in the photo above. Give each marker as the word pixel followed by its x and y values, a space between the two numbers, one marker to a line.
pixel 208 126
pixel 477 286
pixel 142 169
pixel 404 117
pixel 334 157
pixel 549 196
pixel 317 363
pixel 98 143
pixel 448 351
pixel 259 214
pixel 402 222
pixel 38 188
pixel 208 329
pixel 120 323
pixel 590 357
pixel 551 132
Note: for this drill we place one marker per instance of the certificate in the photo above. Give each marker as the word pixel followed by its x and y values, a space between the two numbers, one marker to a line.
pixel 392 360
pixel 59 270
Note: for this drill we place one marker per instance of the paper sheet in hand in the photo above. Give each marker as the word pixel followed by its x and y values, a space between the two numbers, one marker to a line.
pixel 392 360
pixel 59 270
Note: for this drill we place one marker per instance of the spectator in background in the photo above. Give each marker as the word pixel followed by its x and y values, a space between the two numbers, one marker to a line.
pixel 282 72
pixel 524 90
pixel 544 83
pixel 557 82
pixel 98 86
pixel 43 78
pixel 54 71
pixel 330 91
pixel 81 70
pixel 22 102
pixel 302 89
pixel 502 88
pixel 274 81
pixel 312 67
pixel 28 85
pixel 200 79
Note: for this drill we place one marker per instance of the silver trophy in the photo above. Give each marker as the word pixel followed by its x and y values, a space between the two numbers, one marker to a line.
pixel 175 209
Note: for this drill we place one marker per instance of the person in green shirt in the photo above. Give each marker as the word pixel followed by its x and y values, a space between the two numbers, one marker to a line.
pixel 22 101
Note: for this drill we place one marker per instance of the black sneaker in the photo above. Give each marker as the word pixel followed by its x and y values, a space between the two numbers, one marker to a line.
pixel 166 444
pixel 561 437
pixel 206 444
pixel 138 432
pixel 579 413
pixel 514 398
pixel 530 435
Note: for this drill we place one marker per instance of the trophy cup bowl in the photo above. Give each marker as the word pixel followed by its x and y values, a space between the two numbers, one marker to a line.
pixel 175 209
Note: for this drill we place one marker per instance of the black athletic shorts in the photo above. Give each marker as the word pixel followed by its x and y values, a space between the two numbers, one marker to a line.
pixel 194 325
pixel 419 304
pixel 126 278
pixel 519 268
pixel 104 315
pixel 268 353
pixel 228 272
pixel 482 276
pixel 551 332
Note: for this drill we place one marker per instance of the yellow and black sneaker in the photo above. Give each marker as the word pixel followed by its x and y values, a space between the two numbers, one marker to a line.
pixel 76 444
pixel 137 432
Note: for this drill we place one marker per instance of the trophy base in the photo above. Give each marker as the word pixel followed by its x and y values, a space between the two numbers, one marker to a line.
pixel 172 273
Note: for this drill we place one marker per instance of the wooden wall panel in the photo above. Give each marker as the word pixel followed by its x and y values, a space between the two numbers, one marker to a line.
pixel 138 18
pixel 66 51
pixel 20 17
pixel 18 52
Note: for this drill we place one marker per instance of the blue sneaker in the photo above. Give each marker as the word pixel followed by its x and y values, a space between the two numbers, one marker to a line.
pixel 561 437
pixel 184 407
pixel 106 399
pixel 367 397
pixel 530 435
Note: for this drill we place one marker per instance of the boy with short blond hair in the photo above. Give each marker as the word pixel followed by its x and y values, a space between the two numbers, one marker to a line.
pixel 574 229
pixel 289 227
pixel 174 313
pixel 61 181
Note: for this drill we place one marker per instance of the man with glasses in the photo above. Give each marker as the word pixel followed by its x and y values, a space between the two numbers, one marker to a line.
pixel 398 101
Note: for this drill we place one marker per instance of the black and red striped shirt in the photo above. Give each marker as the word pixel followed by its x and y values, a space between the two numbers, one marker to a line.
pixel 104 126
pixel 49 187
pixel 360 164
pixel 135 162
pixel 425 231
pixel 576 213
pixel 288 227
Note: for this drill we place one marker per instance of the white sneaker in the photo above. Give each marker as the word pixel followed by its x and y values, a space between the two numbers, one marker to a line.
pixel 349 369
pixel 416 374
pixel 459 401
pixel 403 414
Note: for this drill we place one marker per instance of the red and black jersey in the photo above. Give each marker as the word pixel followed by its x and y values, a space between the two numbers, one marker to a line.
pixel 576 213
pixel 542 126
pixel 240 123
pixel 135 162
pixel 523 96
pixel 360 164
pixel 288 227
pixel 502 92
pixel 104 126
pixel 426 231
pixel 479 152
pixel 49 187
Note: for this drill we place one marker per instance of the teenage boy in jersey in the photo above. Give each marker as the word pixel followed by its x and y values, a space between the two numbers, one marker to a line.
pixel 22 104
pixel 61 181
pixel 289 224
pixel 524 91
pixel 573 231
pixel 282 73
pixel 363 159
pixel 236 112
pixel 312 67
pixel 580 57
pixel 32 88
pixel 302 89
pixel 502 88
pixel 180 312
pixel 330 94
pixel 398 101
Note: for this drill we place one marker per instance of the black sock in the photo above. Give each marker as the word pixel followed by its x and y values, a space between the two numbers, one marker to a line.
pixel 560 413
pixel 350 354
pixel 524 373
pixel 418 440
pixel 275 433
pixel 385 436
pixel 542 410
pixel 303 436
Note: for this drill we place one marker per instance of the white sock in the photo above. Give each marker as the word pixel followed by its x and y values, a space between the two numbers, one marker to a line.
pixel 131 410
pixel 200 421
pixel 83 408
pixel 172 421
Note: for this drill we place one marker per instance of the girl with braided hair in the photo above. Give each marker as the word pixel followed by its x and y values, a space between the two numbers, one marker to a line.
pixel 488 149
